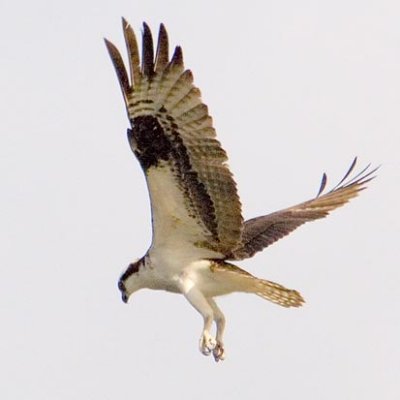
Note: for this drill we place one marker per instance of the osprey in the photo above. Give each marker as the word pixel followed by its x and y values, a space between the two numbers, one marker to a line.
pixel 196 212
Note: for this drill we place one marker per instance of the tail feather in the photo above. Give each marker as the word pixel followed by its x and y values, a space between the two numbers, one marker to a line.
pixel 235 279
pixel 278 294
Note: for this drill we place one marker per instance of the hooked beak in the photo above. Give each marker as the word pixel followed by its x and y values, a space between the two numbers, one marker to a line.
pixel 122 289
pixel 124 297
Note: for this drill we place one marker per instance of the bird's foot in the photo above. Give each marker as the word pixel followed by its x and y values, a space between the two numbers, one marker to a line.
pixel 207 343
pixel 219 352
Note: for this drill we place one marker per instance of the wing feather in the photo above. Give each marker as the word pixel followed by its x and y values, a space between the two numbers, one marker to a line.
pixel 119 67
pixel 147 52
pixel 133 52
pixel 261 232
pixel 162 49
pixel 193 194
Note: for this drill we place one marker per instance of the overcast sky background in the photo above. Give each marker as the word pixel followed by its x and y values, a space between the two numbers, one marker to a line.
pixel 295 88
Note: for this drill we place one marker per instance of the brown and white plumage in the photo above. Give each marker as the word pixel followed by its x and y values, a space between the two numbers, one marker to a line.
pixel 196 211
pixel 261 232
pixel 172 134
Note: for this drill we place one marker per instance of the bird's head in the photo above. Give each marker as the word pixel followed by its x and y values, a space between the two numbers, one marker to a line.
pixel 130 281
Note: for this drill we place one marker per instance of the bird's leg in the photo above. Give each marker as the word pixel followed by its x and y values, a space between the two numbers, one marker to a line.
pixel 200 303
pixel 219 318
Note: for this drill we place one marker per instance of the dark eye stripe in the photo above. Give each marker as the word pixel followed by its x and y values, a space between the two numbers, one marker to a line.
pixel 132 269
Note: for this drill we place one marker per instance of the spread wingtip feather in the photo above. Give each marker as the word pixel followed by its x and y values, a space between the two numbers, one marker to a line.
pixel 118 65
pixel 162 49
pixel 147 51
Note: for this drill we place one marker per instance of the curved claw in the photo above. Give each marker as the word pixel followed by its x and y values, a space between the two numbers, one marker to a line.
pixel 207 343
pixel 219 352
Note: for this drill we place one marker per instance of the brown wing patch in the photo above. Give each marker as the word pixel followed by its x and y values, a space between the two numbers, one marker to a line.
pixel 171 124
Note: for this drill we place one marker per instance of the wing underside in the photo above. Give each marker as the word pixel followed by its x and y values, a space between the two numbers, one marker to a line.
pixel 261 232
pixel 193 194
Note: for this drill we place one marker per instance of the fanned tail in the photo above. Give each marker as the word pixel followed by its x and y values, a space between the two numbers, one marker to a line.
pixel 278 294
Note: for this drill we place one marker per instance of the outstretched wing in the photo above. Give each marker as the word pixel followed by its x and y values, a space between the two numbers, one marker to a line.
pixel 261 232
pixel 193 195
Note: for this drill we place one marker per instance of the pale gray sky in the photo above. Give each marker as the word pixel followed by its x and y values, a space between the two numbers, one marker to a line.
pixel 295 89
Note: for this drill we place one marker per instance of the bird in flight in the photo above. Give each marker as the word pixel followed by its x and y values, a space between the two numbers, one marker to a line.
pixel 198 228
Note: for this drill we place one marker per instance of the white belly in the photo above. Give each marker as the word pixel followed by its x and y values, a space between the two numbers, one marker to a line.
pixel 198 274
